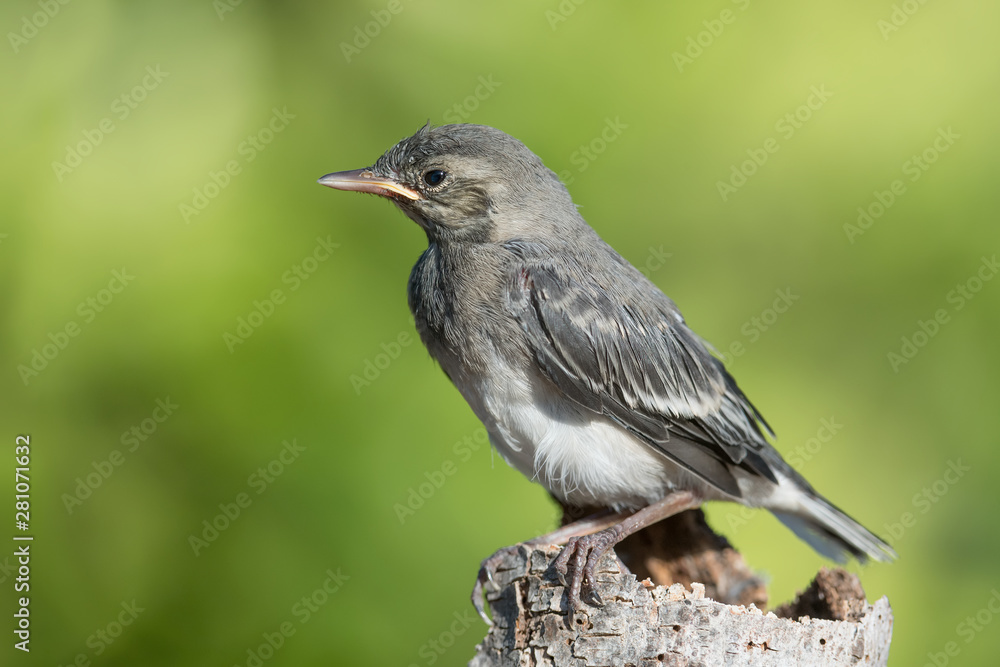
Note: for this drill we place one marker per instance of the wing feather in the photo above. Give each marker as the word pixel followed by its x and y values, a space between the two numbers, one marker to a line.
pixel 639 364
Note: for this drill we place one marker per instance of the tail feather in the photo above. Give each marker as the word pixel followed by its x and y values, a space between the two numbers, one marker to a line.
pixel 832 533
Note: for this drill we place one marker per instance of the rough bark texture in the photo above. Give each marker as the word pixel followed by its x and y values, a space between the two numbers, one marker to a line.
pixel 643 624
pixel 683 549
pixel 835 595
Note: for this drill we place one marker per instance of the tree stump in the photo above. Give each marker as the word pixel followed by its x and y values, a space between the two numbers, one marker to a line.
pixel 642 624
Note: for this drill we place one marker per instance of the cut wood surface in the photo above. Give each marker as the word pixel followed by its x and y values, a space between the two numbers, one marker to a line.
pixel 643 624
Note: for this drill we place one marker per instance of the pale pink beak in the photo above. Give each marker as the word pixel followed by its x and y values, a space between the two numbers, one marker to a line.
pixel 363 180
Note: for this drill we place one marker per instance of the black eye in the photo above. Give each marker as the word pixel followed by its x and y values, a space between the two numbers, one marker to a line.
pixel 433 177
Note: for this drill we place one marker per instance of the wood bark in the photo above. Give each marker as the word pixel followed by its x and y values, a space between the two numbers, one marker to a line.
pixel 642 624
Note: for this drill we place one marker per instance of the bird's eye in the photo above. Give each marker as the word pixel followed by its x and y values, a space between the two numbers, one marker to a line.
pixel 434 177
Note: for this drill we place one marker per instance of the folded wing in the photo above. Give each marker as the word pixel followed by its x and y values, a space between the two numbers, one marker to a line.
pixel 636 361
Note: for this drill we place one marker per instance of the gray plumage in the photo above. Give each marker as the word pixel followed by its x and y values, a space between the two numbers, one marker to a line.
pixel 584 373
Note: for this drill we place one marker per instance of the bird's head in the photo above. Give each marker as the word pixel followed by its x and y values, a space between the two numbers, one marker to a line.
pixel 465 183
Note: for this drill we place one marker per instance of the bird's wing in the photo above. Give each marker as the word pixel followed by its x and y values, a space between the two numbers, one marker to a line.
pixel 639 364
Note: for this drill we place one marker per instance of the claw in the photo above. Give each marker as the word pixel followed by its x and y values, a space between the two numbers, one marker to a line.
pixel 561 563
pixel 584 553
pixel 594 598
pixel 485 581
pixel 477 600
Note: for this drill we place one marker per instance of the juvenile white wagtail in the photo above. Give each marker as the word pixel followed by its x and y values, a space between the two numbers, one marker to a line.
pixel 584 373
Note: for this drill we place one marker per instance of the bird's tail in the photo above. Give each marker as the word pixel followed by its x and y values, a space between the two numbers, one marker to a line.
pixel 832 533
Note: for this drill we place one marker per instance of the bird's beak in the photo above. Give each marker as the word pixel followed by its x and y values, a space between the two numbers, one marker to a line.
pixel 363 180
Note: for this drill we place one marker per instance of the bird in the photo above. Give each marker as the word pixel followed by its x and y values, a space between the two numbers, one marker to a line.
pixel 584 373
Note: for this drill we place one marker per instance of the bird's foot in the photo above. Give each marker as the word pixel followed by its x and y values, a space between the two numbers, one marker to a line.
pixel 581 555
pixel 487 570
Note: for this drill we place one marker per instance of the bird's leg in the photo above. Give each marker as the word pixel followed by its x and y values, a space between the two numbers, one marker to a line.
pixel 586 526
pixel 585 551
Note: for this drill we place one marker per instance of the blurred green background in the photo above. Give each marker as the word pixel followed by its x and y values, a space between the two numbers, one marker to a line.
pixel 179 144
